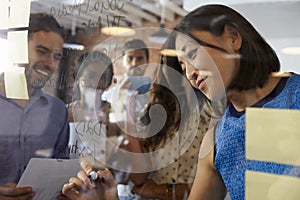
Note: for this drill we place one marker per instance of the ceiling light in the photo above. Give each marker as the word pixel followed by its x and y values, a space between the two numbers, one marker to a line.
pixel 291 50
pixel 73 46
pixel 118 31
pixel 171 52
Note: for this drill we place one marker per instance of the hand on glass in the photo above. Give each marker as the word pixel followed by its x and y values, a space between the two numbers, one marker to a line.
pixel 84 188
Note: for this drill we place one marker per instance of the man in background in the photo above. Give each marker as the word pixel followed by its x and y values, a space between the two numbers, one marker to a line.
pixel 134 64
pixel 126 95
pixel 38 124
pixel 135 57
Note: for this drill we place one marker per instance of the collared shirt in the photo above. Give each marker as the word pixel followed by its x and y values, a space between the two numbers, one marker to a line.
pixel 39 130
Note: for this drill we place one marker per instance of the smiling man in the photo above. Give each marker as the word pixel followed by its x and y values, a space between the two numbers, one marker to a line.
pixel 38 124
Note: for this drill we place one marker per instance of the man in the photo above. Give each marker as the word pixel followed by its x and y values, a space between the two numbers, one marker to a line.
pixel 39 124
pixel 122 99
pixel 135 57
pixel 135 62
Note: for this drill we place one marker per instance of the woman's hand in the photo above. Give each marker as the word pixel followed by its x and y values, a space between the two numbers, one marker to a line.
pixel 83 188
pixel 147 190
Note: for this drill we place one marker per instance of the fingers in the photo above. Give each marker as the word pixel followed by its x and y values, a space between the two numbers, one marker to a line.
pixel 10 189
pixel 68 191
pixel 106 177
pixel 86 166
pixel 28 196
pixel 76 183
pixel 84 178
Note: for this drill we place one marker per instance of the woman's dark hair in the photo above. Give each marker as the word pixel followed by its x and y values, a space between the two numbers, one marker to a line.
pixel 167 90
pixel 105 69
pixel 44 22
pixel 258 59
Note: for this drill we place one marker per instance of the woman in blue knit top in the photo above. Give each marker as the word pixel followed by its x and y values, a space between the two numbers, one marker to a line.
pixel 223 55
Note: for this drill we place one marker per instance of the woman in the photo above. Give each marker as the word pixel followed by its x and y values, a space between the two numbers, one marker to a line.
pixel 94 76
pixel 225 56
pixel 188 117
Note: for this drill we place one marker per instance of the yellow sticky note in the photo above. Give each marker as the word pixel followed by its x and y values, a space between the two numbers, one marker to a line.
pixel 15 83
pixel 18 46
pixel 19 13
pixel 271 187
pixel 4 14
pixel 273 135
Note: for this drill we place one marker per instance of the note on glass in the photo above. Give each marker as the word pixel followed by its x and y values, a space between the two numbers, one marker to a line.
pixel 15 83
pixel 4 14
pixel 19 13
pixel 271 187
pixel 18 46
pixel 273 135
pixel 47 176
pixel 88 139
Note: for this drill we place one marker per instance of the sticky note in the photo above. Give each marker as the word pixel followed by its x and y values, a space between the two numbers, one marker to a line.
pixel 19 13
pixel 273 135
pixel 271 186
pixel 15 83
pixel 18 46
pixel 4 14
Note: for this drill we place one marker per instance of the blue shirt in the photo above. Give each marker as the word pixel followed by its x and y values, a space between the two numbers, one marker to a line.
pixel 24 133
pixel 230 159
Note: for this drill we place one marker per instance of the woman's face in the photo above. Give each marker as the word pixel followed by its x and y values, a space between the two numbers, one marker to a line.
pixel 91 91
pixel 90 77
pixel 209 69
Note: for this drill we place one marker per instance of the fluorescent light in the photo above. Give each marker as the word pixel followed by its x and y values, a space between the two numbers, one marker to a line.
pixel 291 50
pixel 73 46
pixel 171 52
pixel 118 31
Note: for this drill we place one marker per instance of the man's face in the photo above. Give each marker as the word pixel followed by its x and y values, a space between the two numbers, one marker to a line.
pixel 134 62
pixel 44 53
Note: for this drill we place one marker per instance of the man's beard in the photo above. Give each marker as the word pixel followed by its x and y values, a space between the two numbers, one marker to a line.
pixel 36 83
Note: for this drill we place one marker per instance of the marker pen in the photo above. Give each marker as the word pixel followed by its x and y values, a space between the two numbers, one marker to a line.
pixel 93 176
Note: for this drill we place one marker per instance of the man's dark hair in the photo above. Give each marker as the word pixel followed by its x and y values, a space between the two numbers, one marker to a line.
pixel 44 22
pixel 136 44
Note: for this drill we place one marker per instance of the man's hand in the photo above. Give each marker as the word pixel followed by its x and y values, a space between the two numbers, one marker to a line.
pixel 9 191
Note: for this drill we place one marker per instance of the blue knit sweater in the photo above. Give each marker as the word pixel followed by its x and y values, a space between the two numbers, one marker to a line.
pixel 230 160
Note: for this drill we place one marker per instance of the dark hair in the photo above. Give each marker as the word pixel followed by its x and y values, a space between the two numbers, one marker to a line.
pixel 44 22
pixel 94 57
pixel 258 59
pixel 167 90
pixel 136 44
pixel 97 57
